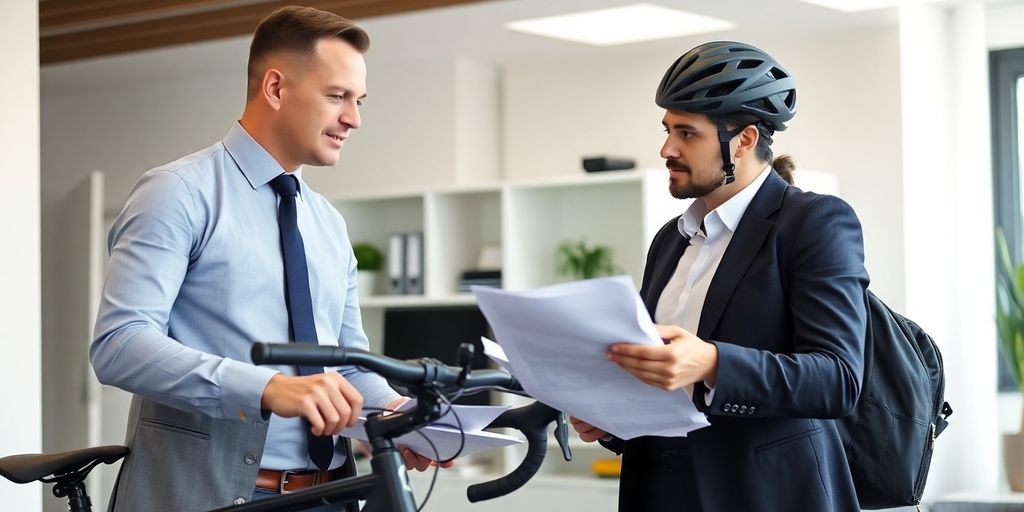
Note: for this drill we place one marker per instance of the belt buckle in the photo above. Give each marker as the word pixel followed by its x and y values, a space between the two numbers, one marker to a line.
pixel 281 481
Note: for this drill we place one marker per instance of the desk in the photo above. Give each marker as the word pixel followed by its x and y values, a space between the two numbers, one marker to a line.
pixel 979 501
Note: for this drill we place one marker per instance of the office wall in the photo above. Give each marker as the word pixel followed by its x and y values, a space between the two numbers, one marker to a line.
pixel 19 262
pixel 848 124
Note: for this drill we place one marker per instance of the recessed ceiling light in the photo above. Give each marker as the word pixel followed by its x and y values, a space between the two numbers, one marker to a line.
pixel 621 25
pixel 863 5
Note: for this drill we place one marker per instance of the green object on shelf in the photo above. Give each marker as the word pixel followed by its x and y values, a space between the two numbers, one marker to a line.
pixel 368 257
pixel 576 259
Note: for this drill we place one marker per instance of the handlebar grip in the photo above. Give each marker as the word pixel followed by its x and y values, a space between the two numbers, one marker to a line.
pixel 532 420
pixel 527 468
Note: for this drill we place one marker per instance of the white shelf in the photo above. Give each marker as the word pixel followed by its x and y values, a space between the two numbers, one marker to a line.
pixel 528 219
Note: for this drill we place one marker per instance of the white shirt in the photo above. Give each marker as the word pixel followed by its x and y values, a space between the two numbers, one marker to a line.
pixel 682 300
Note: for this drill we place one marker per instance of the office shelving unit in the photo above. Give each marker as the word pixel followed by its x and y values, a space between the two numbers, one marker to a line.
pixel 528 219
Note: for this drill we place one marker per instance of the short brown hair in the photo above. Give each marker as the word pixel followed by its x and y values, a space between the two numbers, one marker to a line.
pixel 297 29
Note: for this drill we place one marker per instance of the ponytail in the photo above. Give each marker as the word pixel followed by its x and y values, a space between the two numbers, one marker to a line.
pixel 785 166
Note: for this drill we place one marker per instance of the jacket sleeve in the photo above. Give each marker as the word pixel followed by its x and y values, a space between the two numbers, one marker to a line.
pixel 825 282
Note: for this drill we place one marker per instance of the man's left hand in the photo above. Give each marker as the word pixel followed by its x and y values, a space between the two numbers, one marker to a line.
pixel 412 459
pixel 681 361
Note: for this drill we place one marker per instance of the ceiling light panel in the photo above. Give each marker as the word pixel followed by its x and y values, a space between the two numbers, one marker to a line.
pixel 621 25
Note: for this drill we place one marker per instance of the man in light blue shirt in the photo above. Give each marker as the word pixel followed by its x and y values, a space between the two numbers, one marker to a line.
pixel 196 276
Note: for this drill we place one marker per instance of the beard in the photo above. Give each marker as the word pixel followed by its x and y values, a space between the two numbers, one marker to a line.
pixel 693 188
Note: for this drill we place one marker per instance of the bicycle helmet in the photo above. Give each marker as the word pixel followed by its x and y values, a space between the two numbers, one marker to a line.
pixel 725 77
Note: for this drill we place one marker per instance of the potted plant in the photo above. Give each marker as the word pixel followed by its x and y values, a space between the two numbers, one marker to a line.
pixel 1010 323
pixel 578 260
pixel 369 261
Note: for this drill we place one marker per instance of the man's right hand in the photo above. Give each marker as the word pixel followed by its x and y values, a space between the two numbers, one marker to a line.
pixel 588 433
pixel 326 400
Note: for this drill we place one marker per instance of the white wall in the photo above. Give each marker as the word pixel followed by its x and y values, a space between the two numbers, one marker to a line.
pixel 848 124
pixel 19 262
pixel 947 202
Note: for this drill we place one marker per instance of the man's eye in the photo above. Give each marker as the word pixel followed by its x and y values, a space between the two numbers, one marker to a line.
pixel 336 97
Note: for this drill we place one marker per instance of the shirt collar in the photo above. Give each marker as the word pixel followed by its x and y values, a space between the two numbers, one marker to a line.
pixel 252 159
pixel 728 213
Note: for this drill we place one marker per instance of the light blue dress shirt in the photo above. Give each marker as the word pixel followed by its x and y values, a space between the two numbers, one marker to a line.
pixel 196 276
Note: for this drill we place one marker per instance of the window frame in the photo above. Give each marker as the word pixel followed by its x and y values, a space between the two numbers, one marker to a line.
pixel 1006 68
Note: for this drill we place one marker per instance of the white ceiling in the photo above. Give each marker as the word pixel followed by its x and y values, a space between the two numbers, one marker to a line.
pixel 472 31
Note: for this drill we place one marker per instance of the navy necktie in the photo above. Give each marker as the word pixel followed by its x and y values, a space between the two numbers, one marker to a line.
pixel 297 297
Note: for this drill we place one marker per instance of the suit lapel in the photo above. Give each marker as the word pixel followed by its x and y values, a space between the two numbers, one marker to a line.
pixel 744 246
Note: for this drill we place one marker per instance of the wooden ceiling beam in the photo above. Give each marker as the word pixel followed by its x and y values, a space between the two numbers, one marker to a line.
pixel 57 16
pixel 229 20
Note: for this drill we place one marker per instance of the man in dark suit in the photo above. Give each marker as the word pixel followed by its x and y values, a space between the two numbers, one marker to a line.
pixel 758 290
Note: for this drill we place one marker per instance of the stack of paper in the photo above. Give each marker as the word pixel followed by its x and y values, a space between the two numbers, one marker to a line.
pixel 555 340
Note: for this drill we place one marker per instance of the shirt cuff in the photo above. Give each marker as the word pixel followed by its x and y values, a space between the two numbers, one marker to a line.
pixel 242 389
pixel 709 395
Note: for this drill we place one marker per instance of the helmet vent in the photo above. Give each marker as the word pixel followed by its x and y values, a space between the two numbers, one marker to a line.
pixel 724 89
pixel 689 62
pixel 709 71
pixel 748 64
pixel 790 99
pixel 778 73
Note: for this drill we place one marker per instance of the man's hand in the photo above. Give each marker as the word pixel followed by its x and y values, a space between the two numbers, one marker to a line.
pixel 681 361
pixel 588 433
pixel 412 459
pixel 326 400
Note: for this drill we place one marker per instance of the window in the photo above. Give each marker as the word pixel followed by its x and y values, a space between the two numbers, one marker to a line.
pixel 1006 68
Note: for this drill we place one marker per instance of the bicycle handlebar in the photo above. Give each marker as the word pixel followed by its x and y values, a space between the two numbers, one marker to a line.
pixel 427 372
pixel 531 420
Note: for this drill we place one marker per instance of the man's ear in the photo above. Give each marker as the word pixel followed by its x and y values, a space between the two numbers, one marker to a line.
pixel 747 141
pixel 271 87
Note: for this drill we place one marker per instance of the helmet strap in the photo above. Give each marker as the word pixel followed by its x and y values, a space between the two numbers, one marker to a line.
pixel 724 136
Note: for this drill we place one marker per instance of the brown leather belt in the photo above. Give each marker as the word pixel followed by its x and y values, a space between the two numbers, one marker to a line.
pixel 288 481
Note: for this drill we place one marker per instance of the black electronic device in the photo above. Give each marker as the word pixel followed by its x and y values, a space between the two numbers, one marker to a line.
pixel 437 332
pixel 607 163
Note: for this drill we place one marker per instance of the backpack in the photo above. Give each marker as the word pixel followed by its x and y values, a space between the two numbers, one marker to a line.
pixel 890 436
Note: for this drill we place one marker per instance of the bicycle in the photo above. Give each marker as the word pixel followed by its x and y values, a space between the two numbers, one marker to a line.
pixel 387 487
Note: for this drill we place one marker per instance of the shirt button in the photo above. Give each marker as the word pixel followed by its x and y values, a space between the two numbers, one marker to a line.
pixel 250 458
pixel 239 500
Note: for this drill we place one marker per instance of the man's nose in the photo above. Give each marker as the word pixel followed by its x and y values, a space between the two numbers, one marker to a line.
pixel 668 152
pixel 351 118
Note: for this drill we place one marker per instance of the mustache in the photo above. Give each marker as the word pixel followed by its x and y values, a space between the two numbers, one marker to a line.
pixel 676 165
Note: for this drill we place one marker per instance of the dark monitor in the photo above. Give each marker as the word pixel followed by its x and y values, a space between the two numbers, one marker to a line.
pixel 437 332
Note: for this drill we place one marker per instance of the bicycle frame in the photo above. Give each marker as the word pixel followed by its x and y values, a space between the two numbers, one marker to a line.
pixel 387 489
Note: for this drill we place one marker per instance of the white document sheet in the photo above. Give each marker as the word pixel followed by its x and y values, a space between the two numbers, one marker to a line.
pixel 555 339
pixel 444 432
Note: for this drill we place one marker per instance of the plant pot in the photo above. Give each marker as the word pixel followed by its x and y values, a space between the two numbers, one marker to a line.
pixel 1013 460
pixel 366 279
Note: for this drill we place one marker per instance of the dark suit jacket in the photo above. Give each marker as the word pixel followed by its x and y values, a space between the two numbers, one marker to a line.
pixel 786 310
